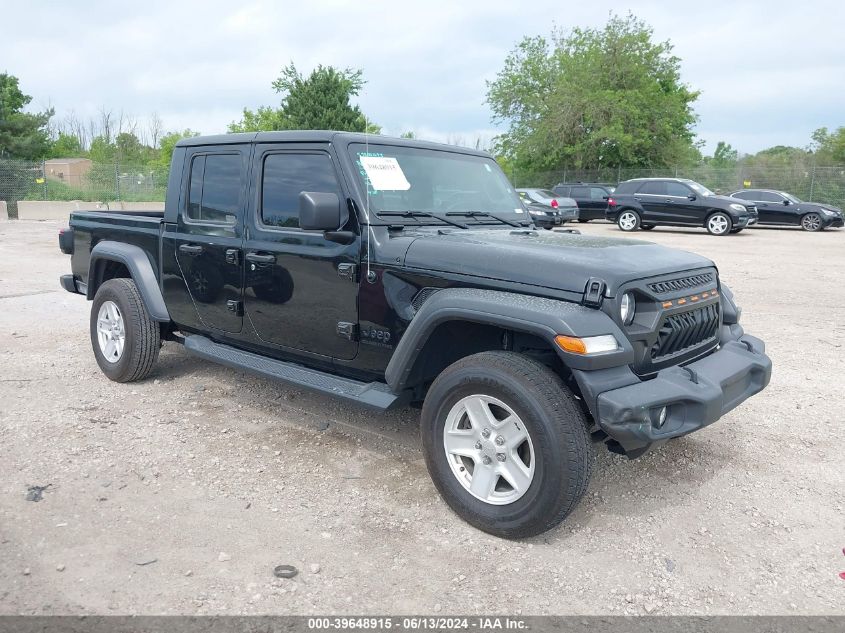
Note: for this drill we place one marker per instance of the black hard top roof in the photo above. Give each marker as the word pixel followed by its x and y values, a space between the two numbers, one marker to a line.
pixel 320 136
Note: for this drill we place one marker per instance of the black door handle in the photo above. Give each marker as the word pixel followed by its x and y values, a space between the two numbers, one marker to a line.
pixel 190 249
pixel 258 258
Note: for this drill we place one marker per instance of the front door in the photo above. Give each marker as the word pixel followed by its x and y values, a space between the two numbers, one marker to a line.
pixel 210 234
pixel 678 200
pixel 301 290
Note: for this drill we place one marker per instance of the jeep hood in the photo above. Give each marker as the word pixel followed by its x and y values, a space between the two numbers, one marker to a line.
pixel 563 261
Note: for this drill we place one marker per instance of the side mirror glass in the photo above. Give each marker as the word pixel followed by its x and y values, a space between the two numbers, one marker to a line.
pixel 692 196
pixel 786 203
pixel 319 211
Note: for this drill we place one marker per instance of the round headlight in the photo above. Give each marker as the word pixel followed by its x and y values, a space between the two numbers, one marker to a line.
pixel 626 308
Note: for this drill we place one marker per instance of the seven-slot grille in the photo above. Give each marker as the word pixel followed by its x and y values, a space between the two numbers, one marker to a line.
pixel 685 330
pixel 682 283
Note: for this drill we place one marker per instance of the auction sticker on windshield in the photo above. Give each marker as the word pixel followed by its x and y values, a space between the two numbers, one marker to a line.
pixel 385 173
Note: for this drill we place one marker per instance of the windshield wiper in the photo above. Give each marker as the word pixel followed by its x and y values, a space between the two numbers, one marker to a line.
pixel 423 214
pixel 478 214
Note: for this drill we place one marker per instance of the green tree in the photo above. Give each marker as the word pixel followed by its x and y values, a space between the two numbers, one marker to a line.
pixel 830 146
pixel 320 101
pixel 591 98
pixel 22 135
pixel 723 156
pixel 166 146
pixel 66 146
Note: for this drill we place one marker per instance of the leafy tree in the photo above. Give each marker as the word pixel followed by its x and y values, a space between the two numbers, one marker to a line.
pixel 320 101
pixel 830 146
pixel 66 146
pixel 724 156
pixel 593 98
pixel 22 135
pixel 166 146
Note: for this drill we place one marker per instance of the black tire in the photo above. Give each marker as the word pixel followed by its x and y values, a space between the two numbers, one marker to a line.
pixel 583 221
pixel 646 227
pixel 142 335
pixel 624 220
pixel 736 231
pixel 811 222
pixel 553 420
pixel 716 220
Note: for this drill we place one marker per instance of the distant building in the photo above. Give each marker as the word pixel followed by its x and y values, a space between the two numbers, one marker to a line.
pixel 71 171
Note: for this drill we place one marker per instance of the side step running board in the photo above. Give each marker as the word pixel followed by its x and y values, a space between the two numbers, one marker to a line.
pixel 374 394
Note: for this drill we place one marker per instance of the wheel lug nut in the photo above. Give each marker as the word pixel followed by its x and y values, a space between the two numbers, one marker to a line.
pixel 501 457
pixel 499 440
pixel 478 446
pixel 485 433
pixel 486 460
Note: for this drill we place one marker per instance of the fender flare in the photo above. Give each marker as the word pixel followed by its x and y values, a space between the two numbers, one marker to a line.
pixel 140 269
pixel 543 317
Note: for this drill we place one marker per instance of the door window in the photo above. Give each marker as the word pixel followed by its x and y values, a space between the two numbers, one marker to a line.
pixel 597 193
pixel 653 188
pixel 767 196
pixel 215 188
pixel 580 192
pixel 745 195
pixel 284 177
pixel 677 189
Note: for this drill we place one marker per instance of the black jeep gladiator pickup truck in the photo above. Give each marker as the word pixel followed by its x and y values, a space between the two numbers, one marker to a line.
pixel 390 272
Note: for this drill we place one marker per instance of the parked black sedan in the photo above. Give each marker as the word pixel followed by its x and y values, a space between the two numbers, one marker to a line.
pixel 779 207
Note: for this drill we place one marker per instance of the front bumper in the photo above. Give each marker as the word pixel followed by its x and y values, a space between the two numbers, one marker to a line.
pixel 695 395
pixel 836 221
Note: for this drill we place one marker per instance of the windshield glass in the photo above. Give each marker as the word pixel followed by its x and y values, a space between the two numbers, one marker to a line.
pixel 700 189
pixel 546 193
pixel 416 179
pixel 790 197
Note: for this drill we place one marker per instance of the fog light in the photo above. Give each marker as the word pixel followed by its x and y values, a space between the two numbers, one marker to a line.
pixel 661 418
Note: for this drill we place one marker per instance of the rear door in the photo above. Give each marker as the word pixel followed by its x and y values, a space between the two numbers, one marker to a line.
pixel 301 290
pixel 652 198
pixel 772 210
pixel 209 233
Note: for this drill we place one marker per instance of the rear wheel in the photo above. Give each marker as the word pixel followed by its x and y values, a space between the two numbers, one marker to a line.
pixel 811 222
pixel 719 224
pixel 628 220
pixel 646 227
pixel 506 443
pixel 125 339
pixel 583 221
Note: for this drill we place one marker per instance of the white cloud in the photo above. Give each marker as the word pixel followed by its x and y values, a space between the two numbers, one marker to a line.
pixel 769 72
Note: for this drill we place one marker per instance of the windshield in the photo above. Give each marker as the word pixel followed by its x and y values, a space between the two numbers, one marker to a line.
pixel 434 181
pixel 700 189
pixel 545 193
pixel 790 197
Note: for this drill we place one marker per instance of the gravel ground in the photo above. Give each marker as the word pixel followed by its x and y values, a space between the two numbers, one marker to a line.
pixel 180 494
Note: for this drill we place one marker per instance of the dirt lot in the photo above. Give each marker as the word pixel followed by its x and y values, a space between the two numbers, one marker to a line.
pixel 181 493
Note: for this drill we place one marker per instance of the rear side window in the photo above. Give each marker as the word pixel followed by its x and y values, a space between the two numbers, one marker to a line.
pixel 654 188
pixel 627 187
pixel 285 177
pixel 215 188
pixel 561 191
pixel 580 192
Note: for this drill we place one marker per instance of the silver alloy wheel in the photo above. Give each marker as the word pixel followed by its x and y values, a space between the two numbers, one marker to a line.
pixel 717 224
pixel 111 334
pixel 489 449
pixel 811 222
pixel 627 221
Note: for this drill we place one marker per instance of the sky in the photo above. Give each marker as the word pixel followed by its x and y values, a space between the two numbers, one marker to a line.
pixel 769 72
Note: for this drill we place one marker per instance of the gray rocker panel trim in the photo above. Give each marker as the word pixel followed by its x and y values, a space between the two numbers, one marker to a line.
pixel 542 317
pixel 140 269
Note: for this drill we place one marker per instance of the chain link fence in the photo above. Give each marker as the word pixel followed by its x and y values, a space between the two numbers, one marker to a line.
pixel 83 180
pixel 79 179
pixel 813 184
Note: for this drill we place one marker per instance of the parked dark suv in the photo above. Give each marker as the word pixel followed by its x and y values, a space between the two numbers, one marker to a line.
pixel 644 203
pixel 594 199
pixel 779 207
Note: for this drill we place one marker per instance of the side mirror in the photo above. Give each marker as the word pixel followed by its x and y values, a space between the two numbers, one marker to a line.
pixel 786 202
pixel 319 211
pixel 692 197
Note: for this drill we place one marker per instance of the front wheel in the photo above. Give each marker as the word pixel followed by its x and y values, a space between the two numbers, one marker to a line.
pixel 811 222
pixel 646 227
pixel 719 224
pixel 734 231
pixel 125 339
pixel 628 220
pixel 506 443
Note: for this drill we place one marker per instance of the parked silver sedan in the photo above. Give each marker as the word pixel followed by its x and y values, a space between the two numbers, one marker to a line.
pixel 548 210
